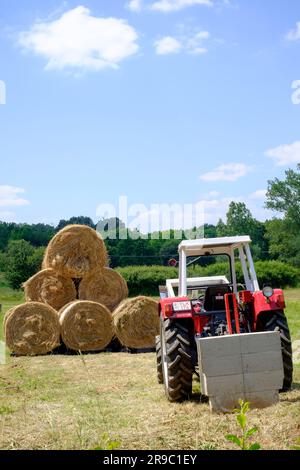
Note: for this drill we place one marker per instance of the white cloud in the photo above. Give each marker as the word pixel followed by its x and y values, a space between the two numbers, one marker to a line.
pixel 190 44
pixel 195 43
pixel 294 34
pixel 79 40
pixel 9 196
pixel 167 6
pixel 296 94
pixel 135 5
pixel 227 172
pixel 285 154
pixel 216 208
pixel 167 45
pixel 259 194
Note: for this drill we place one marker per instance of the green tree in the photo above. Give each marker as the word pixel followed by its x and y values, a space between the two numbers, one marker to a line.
pixel 5 233
pixel 221 229
pixel 81 220
pixel 36 234
pixel 239 219
pixel 132 253
pixel 241 222
pixel 2 261
pixel 210 231
pixel 284 241
pixel 284 196
pixel 169 250
pixel 36 259
pixel 20 261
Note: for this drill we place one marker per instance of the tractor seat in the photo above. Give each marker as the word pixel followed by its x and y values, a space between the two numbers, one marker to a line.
pixel 214 298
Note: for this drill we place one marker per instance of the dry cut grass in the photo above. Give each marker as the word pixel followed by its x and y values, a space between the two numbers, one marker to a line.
pixel 83 402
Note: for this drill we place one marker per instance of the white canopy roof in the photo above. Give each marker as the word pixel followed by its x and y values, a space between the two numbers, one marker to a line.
pixel 212 245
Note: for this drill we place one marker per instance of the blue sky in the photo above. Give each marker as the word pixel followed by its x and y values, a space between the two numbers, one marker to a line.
pixel 164 101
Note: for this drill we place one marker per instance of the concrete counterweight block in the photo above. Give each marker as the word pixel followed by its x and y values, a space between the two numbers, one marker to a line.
pixel 247 366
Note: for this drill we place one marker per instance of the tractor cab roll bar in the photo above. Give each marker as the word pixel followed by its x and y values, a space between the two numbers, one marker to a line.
pixel 219 246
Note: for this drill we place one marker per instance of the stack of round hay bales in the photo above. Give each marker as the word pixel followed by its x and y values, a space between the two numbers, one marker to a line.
pixel 75 254
pixel 77 298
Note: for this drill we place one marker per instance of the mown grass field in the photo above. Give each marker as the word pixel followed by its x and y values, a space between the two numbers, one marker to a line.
pixel 85 402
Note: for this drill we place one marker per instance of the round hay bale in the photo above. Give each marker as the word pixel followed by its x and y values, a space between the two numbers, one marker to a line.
pixel 32 329
pixel 104 286
pixel 86 326
pixel 50 287
pixel 75 251
pixel 136 322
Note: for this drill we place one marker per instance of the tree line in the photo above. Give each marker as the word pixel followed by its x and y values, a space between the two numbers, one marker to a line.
pixel 22 245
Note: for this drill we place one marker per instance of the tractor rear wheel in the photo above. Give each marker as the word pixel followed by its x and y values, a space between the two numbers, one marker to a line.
pixel 177 362
pixel 159 365
pixel 277 321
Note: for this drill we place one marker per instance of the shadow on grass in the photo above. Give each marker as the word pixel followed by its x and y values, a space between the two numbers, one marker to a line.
pixel 198 398
pixel 114 347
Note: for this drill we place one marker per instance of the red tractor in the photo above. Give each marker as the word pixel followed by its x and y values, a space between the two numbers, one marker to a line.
pixel 194 308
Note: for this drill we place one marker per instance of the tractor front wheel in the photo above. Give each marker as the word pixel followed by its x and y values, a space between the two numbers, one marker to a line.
pixel 177 365
pixel 277 321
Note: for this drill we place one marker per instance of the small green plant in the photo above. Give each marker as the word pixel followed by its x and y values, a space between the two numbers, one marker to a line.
pixel 243 441
pixel 208 446
pixel 107 443
pixel 297 445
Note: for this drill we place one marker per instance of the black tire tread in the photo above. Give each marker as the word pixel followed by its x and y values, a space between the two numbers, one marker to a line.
pixel 179 361
pixel 279 322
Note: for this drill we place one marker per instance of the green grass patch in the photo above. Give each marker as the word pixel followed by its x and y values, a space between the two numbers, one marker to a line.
pixel 6 410
pixel 292 294
pixel 5 306
pixel 8 298
pixel 292 311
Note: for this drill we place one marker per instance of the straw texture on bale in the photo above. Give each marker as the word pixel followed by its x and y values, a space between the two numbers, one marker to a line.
pixel 105 286
pixel 75 251
pixel 86 326
pixel 50 287
pixel 136 322
pixel 31 329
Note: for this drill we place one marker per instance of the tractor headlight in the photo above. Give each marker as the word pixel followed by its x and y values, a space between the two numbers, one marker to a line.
pixel 268 291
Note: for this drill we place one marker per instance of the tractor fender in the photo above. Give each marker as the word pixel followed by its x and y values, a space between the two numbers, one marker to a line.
pixel 262 304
